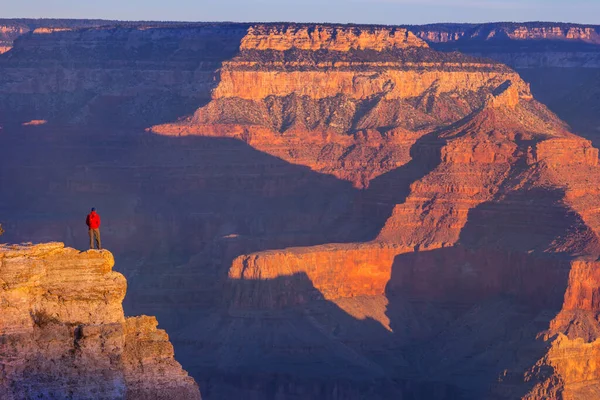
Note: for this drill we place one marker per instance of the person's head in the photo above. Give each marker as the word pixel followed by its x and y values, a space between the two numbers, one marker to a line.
pixel 93 209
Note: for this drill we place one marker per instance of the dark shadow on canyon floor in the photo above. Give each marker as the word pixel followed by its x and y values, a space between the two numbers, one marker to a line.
pixel 164 200
pixel 176 212
pixel 481 313
pixel 279 338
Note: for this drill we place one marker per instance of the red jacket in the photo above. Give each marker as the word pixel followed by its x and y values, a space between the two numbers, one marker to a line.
pixel 93 220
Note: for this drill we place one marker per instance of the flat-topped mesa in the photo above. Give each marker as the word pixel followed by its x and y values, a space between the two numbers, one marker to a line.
pixel 64 334
pixel 361 62
pixel 328 37
pixel 354 113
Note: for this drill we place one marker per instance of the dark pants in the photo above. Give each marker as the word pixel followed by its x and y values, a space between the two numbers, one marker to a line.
pixel 95 235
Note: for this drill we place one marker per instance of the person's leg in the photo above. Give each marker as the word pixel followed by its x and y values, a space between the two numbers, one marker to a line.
pixel 91 233
pixel 98 241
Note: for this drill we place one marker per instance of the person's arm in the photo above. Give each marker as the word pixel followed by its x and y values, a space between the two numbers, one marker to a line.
pixel 98 216
pixel 87 221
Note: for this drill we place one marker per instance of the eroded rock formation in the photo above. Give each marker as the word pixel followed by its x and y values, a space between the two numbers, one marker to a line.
pixel 64 335
pixel 467 211
pixel 353 112
pixel 498 194
pixel 560 61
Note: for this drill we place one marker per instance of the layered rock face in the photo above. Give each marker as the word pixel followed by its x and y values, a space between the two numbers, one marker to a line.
pixel 350 107
pixel 467 248
pixel 490 196
pixel 445 33
pixel 560 61
pixel 506 197
pixel 331 38
pixel 64 334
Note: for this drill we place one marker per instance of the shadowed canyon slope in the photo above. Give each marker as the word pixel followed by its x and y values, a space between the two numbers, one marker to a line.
pixel 316 211
pixel 64 335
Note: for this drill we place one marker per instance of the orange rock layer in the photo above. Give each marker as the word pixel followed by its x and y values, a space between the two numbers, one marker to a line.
pixel 327 37
pixel 347 112
pixel 505 192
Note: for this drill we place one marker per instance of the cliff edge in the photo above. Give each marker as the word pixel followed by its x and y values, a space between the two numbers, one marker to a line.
pixel 64 334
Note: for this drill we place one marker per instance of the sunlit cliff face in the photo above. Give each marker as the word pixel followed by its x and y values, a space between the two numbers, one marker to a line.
pixel 343 101
pixel 64 333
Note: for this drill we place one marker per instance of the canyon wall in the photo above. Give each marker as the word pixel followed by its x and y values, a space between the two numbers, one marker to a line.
pixel 489 198
pixel 336 108
pixel 316 211
pixel 523 31
pixel 12 29
pixel 560 61
pixel 494 223
pixel 64 334
pixel 129 76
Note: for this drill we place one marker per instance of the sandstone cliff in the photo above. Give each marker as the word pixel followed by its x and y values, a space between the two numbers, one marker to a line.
pixel 352 109
pixel 497 222
pixel 64 334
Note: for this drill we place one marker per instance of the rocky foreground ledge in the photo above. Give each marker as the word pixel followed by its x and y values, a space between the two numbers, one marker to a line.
pixel 63 333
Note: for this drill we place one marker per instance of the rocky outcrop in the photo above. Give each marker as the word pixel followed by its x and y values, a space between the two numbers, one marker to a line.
pixel 335 271
pixel 64 334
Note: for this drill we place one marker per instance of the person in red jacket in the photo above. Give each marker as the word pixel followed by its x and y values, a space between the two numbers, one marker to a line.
pixel 93 223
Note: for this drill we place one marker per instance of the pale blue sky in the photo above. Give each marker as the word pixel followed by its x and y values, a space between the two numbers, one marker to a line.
pixel 359 11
